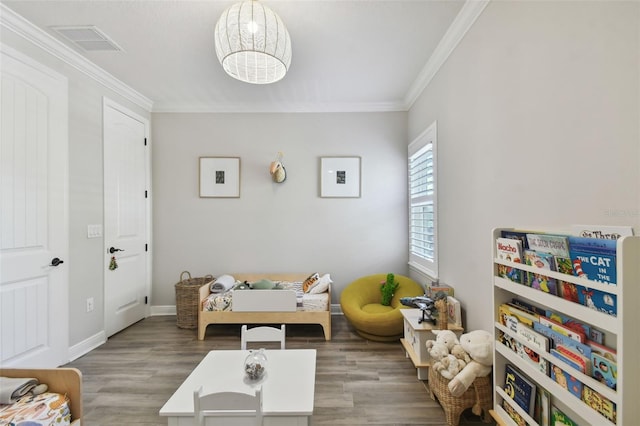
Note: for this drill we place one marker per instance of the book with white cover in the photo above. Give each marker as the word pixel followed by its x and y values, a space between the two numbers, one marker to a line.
pixel 606 232
pixel 454 311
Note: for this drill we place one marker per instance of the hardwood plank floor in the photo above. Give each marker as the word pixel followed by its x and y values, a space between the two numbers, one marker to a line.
pixel 358 382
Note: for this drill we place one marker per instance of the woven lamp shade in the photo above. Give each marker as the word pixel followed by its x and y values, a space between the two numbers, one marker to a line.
pixel 252 43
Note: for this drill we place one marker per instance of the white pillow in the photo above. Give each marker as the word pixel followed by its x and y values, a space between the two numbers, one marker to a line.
pixel 322 285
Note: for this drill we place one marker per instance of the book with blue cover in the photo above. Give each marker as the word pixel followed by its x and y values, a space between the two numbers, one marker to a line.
pixel 563 378
pixel 598 300
pixel 593 258
pixel 561 339
pixel 520 389
pixel 604 370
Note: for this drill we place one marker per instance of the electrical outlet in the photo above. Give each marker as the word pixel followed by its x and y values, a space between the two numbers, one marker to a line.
pixel 90 304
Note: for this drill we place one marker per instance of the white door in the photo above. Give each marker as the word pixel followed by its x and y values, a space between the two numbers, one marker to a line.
pixel 34 299
pixel 125 218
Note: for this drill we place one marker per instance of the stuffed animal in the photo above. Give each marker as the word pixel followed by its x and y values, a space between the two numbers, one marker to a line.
pixel 450 366
pixel 446 337
pixel 437 352
pixel 479 345
pixel 459 352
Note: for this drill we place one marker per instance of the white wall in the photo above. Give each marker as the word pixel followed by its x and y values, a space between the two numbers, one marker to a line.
pixel 537 114
pixel 278 227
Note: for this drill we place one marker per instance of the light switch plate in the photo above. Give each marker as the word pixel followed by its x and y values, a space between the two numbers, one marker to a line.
pixel 94 231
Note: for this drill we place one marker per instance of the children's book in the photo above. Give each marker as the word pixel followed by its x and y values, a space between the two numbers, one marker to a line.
pixel 529 307
pixel 538 280
pixel 510 317
pixel 583 363
pixel 601 231
pixel 520 389
pixel 517 235
pixel 604 370
pixel 517 418
pixel 573 324
pixel 603 350
pixel 558 418
pixel 556 245
pixel 599 403
pixel 575 334
pixel 563 378
pixel 434 287
pixel 454 311
pixel 593 258
pixel 543 413
pixel 524 352
pixel 598 300
pixel 566 290
pixel 510 250
pixel 561 339
pixel 532 337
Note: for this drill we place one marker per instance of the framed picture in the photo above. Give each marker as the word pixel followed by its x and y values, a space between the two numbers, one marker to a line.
pixel 219 177
pixel 340 177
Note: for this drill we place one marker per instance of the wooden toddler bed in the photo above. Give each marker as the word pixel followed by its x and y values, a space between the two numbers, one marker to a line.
pixel 65 381
pixel 266 314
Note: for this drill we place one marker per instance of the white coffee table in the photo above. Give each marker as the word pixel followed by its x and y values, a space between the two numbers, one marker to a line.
pixel 287 390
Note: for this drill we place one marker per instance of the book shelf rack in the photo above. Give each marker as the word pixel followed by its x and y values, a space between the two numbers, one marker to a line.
pixel 620 333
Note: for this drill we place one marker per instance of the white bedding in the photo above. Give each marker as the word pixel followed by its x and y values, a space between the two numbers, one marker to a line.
pixel 305 301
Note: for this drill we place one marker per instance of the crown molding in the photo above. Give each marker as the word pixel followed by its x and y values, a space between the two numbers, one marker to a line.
pixel 25 29
pixel 459 27
pixel 252 107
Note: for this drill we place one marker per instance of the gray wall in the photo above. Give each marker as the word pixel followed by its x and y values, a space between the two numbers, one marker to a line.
pixel 85 261
pixel 273 227
pixel 538 119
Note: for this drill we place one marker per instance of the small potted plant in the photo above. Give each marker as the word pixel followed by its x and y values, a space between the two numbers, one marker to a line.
pixel 388 289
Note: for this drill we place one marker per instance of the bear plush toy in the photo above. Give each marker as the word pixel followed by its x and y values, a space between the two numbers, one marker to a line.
pixel 446 337
pixel 479 345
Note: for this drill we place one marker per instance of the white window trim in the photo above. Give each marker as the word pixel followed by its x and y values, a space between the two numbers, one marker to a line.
pixel 426 266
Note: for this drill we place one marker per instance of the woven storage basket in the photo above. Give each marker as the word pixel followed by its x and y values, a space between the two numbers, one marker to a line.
pixel 187 299
pixel 478 397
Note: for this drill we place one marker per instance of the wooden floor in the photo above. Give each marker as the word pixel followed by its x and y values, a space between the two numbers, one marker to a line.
pixel 358 382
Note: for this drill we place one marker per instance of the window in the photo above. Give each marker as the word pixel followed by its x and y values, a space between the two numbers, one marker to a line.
pixel 423 217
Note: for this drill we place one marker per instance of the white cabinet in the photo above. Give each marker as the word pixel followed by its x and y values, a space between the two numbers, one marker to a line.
pixel 622 333
pixel 416 334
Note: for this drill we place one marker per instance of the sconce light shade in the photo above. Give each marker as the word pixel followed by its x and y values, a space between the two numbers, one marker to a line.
pixel 252 43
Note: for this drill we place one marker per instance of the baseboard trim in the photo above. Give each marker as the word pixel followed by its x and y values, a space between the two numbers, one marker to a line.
pixel 87 345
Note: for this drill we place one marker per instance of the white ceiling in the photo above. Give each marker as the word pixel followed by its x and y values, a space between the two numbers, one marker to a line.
pixel 348 55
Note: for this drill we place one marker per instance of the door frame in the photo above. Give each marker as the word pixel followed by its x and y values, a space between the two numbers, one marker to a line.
pixel 109 103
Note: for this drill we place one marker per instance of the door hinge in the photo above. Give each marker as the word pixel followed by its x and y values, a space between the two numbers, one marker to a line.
pixel 146 247
pixel 145 194
pixel 145 141
pixel 146 300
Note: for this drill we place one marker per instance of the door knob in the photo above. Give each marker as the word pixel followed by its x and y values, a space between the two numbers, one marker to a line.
pixel 113 250
pixel 55 261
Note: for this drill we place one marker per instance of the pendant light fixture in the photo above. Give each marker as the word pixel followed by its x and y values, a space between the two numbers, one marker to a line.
pixel 252 43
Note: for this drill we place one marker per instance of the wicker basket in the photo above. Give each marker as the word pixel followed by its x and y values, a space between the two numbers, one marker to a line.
pixel 187 299
pixel 478 397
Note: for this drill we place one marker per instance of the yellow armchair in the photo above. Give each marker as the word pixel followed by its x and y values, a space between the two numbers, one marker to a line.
pixel 360 303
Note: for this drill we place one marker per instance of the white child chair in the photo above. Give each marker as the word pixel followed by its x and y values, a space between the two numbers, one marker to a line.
pixel 238 408
pixel 262 334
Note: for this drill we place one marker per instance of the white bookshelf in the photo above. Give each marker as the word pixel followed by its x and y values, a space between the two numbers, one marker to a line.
pixel 622 333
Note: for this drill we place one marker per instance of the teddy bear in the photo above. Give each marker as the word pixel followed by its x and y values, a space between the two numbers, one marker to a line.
pixel 479 345
pixel 446 337
pixel 459 352
pixel 438 351
pixel 449 366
